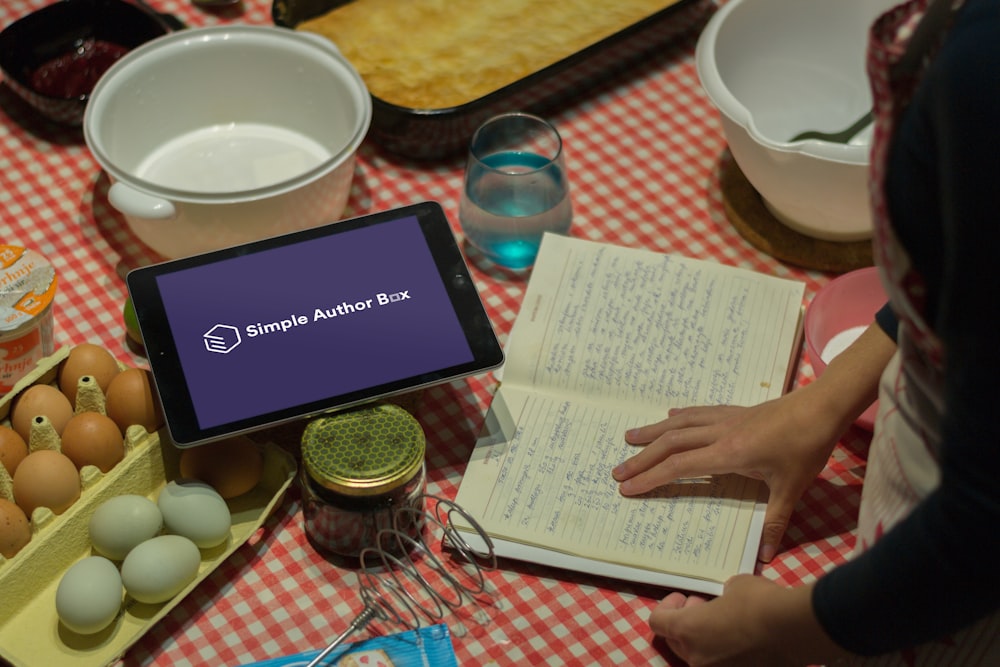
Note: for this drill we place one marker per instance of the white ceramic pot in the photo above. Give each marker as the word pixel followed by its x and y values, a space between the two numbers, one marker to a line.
pixel 214 137
pixel 775 68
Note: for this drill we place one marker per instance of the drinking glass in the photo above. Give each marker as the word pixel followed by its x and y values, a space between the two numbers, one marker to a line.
pixel 515 188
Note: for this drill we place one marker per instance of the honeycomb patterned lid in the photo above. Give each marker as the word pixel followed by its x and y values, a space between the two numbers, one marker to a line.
pixel 364 452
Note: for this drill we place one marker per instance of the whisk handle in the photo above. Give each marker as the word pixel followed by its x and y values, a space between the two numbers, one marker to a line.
pixel 360 621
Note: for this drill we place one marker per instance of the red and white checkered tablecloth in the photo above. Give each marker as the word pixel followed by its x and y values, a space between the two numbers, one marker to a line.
pixel 643 152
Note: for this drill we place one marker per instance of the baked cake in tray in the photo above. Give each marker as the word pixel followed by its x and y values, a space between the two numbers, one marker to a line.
pixel 439 54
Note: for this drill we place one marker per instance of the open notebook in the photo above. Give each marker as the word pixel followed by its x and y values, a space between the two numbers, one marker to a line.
pixel 609 338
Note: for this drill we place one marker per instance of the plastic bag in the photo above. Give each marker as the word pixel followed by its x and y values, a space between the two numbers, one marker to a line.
pixel 427 646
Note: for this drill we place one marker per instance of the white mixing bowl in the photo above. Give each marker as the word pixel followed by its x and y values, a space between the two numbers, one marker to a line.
pixel 775 68
pixel 214 137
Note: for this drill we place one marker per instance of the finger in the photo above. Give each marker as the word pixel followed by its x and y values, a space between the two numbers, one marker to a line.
pixel 780 506
pixel 700 415
pixel 674 601
pixel 738 581
pixel 680 418
pixel 653 455
pixel 693 463
pixel 694 601
pixel 662 617
pixel 666 445
pixel 668 621
pixel 643 435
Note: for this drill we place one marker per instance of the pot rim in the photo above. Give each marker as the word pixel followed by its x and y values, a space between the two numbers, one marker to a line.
pixel 270 34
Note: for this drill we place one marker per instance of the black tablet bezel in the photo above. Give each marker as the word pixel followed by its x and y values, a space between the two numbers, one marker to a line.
pixel 172 385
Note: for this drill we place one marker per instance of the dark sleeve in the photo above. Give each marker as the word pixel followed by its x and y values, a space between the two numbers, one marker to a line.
pixel 886 319
pixel 937 570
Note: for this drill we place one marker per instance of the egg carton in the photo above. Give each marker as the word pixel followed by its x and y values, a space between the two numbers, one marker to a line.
pixel 30 631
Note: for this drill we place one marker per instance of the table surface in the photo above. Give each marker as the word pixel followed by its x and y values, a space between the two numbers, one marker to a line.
pixel 643 151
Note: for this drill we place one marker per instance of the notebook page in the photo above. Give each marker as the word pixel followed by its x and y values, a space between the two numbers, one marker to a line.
pixel 541 474
pixel 633 326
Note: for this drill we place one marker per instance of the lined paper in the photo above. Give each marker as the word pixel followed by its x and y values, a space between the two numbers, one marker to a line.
pixel 609 338
pixel 550 483
pixel 635 326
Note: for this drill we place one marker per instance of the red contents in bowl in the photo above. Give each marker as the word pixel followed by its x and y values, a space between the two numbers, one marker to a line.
pixel 75 73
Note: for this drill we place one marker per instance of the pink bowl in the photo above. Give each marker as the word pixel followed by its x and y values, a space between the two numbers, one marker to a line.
pixel 837 314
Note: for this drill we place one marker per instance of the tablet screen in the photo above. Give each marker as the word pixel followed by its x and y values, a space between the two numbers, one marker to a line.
pixel 247 337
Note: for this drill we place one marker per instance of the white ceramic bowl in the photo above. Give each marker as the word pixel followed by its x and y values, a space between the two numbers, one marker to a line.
pixel 774 68
pixel 214 137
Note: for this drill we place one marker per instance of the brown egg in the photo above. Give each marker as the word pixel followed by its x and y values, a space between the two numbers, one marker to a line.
pixel 232 467
pixel 13 448
pixel 46 478
pixel 40 399
pixel 91 438
pixel 15 531
pixel 87 359
pixel 131 400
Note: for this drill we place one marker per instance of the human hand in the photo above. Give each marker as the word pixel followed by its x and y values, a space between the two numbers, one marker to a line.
pixel 783 442
pixel 754 622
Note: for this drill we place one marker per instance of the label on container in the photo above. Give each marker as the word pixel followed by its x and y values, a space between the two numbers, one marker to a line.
pixel 27 289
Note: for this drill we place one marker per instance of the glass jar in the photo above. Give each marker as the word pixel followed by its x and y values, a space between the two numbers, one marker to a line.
pixel 359 468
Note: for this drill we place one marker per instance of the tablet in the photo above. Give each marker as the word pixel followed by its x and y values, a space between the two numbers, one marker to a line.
pixel 292 326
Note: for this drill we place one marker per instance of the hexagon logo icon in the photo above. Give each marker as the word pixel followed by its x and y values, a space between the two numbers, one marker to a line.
pixel 222 338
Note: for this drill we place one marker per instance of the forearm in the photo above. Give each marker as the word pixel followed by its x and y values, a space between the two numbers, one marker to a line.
pixel 793 626
pixel 754 622
pixel 850 382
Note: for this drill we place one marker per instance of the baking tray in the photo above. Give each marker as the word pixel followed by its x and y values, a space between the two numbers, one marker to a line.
pixel 30 631
pixel 440 133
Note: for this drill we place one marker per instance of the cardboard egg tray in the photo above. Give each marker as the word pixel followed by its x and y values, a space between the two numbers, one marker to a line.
pixel 30 631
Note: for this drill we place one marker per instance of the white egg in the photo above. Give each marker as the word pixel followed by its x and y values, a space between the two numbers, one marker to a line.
pixel 121 523
pixel 89 595
pixel 158 569
pixel 196 511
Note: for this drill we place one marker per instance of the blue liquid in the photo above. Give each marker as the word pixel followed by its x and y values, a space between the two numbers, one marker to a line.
pixel 509 205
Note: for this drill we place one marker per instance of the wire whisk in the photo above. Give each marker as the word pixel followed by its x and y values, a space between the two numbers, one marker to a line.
pixel 416 585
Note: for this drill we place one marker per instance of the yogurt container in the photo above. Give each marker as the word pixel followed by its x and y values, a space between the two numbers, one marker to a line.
pixel 27 290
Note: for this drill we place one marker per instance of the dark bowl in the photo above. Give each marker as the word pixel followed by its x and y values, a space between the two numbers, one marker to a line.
pixel 53 56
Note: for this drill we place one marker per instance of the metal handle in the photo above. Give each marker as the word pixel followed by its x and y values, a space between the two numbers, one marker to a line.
pixel 359 623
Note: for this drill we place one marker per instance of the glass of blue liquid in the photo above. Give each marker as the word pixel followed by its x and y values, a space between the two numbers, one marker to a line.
pixel 515 189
